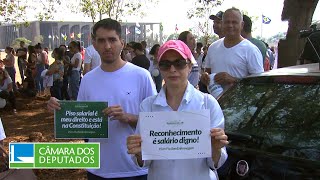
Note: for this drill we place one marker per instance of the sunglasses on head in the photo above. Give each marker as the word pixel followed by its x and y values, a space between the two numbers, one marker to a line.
pixel 179 64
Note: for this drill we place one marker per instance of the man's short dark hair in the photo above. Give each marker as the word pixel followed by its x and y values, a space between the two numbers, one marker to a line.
pixel 107 23
pixel 137 46
pixel 144 43
pixel 247 27
pixel 183 36
pixel 199 45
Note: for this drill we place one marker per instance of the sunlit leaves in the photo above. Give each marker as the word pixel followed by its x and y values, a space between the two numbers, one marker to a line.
pixel 115 9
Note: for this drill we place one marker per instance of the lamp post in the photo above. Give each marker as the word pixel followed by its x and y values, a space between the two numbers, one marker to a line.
pixel 49 41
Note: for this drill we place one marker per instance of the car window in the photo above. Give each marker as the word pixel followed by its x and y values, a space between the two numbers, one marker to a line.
pixel 281 117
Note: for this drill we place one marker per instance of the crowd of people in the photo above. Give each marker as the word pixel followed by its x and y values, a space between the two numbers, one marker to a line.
pixel 133 79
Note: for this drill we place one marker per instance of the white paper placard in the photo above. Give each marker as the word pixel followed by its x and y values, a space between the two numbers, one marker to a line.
pixel 175 135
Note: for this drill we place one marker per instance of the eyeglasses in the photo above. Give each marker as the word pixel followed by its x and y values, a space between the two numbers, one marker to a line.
pixel 179 64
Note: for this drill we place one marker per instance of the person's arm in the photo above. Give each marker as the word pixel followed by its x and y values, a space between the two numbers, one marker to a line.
pixel 9 88
pixel 224 78
pixel 218 140
pixel 76 63
pixel 134 147
pixel 86 68
pixel 53 104
pixel 52 69
pixel 117 113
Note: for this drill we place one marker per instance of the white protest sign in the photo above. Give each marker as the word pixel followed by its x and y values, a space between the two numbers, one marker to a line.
pixel 175 135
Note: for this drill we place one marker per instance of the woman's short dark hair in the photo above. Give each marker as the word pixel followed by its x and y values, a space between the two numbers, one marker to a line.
pixel 76 44
pixel 38 46
pixel 62 45
pixel 59 53
pixel 153 49
pixel 107 23
pixel 137 46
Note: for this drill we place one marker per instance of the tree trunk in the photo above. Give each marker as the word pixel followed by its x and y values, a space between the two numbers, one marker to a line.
pixel 299 15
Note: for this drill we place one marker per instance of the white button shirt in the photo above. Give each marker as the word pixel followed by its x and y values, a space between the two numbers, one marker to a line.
pixel 186 169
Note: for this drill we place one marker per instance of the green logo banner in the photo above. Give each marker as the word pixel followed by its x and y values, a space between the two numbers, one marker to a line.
pixel 54 155
pixel 81 120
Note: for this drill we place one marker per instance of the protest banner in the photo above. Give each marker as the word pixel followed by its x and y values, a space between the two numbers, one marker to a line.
pixel 80 120
pixel 175 135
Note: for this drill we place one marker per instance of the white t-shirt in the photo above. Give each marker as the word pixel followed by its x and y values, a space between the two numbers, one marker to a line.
pixel 184 169
pixel 199 60
pixel 239 61
pixel 92 57
pixel 194 76
pixel 7 81
pixel 73 59
pixel 2 133
pixel 126 87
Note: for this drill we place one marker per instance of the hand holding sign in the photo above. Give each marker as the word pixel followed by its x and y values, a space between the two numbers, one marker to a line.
pixel 53 104
pixel 117 113
pixel 134 144
pixel 218 138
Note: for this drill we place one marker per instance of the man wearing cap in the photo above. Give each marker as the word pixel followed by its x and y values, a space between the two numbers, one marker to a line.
pixel 217 23
pixel 232 57
pixel 246 33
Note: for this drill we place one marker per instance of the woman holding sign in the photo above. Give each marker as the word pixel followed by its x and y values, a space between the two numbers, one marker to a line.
pixel 175 64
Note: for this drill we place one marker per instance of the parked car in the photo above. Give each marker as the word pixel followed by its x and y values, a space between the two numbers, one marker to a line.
pixel 273 124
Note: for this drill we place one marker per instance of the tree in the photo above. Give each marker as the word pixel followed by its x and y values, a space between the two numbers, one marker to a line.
pixel 203 9
pixel 173 36
pixel 17 11
pixel 114 9
pixel 16 43
pixel 299 15
pixel 37 39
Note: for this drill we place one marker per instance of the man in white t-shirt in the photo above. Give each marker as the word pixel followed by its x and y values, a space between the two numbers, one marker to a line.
pixel 232 57
pixel 124 86
pixel 91 59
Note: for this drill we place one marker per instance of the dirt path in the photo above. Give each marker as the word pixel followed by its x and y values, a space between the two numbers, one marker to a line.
pixel 33 117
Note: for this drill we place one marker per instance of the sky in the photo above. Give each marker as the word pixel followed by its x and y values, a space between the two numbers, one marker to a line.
pixel 166 11
pixel 172 13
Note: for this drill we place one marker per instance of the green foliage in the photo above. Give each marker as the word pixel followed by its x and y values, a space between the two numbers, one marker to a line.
pixel 16 43
pixel 114 9
pixel 207 40
pixel 173 36
pixel 37 39
pixel 16 11
pixel 12 12
pixel 201 10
